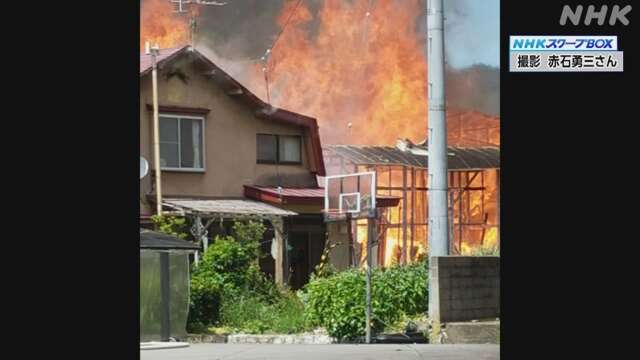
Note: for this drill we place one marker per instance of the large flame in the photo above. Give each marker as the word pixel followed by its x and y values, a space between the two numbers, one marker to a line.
pixel 160 25
pixel 351 64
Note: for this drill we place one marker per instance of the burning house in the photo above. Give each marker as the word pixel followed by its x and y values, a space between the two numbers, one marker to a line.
pixel 357 70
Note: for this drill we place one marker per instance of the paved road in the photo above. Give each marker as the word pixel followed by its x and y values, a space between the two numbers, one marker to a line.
pixel 318 352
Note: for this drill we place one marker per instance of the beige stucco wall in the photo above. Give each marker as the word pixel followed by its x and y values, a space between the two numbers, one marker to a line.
pixel 230 140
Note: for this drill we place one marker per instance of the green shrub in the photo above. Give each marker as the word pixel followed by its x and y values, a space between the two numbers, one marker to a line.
pixel 338 302
pixel 172 225
pixel 204 307
pixel 229 266
pixel 229 289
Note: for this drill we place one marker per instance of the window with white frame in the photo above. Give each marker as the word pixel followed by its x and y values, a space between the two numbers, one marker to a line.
pixel 181 142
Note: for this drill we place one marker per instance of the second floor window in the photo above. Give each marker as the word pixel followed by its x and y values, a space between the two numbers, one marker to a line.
pixel 279 149
pixel 181 142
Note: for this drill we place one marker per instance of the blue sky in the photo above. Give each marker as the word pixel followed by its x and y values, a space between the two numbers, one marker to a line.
pixel 472 32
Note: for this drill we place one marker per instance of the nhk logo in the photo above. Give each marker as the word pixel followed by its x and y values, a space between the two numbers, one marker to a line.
pixel 616 15
pixel 580 43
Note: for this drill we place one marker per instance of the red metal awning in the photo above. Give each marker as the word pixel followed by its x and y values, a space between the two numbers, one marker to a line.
pixel 303 196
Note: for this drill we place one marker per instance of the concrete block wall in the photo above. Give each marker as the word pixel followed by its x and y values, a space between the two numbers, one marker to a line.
pixel 465 288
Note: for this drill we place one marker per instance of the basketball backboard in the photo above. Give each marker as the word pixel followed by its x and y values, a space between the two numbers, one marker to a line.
pixel 352 195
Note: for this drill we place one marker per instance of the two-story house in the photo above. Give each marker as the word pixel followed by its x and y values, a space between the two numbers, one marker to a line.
pixel 225 154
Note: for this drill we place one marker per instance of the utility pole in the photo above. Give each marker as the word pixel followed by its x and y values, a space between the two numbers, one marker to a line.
pixel 156 125
pixel 437 148
pixel 437 133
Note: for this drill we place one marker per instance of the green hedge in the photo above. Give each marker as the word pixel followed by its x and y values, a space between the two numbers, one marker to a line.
pixel 338 302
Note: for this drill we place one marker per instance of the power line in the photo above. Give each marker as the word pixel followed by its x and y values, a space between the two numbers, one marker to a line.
pixel 273 45
pixel 265 58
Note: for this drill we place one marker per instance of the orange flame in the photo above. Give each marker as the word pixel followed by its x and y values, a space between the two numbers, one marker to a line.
pixel 160 25
pixel 367 70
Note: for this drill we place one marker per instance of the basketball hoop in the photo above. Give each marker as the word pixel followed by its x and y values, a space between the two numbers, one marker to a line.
pixel 349 195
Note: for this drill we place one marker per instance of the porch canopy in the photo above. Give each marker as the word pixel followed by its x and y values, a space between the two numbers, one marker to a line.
pixel 226 208
pixel 211 209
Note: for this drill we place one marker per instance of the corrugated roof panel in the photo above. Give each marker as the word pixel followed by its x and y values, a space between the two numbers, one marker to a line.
pixel 228 207
pixel 460 158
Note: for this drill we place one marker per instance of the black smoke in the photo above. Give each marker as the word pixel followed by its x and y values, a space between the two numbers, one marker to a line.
pixel 474 88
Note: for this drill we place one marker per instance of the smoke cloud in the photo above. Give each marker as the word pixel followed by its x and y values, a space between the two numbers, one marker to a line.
pixel 474 88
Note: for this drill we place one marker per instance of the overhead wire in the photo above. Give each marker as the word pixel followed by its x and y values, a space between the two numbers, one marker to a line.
pixel 266 57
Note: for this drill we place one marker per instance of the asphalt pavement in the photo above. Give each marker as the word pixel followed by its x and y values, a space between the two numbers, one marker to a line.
pixel 318 352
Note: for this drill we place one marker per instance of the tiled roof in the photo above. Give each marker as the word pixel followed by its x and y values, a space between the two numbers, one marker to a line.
pixel 145 60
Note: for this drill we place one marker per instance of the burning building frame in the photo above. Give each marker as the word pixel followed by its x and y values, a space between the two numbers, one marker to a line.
pixel 401 171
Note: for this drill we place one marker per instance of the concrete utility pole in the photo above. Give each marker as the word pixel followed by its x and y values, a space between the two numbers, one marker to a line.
pixel 156 126
pixel 437 133
pixel 437 147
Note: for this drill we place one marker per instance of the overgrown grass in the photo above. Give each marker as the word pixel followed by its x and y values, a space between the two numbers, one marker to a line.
pixel 485 251
pixel 254 314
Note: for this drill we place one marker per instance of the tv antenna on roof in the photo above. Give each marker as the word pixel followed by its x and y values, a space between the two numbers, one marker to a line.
pixel 179 5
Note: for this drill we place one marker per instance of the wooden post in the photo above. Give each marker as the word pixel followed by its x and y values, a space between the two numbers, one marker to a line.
pixel 452 235
pixel 413 210
pixel 403 257
pixel 355 252
pixel 278 230
pixel 484 229
pixel 460 216
pixel 350 227
pixel 498 203
pixel 156 131
pixel 482 192
pixel 460 213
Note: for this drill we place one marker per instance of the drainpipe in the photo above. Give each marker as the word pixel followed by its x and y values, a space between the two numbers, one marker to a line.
pixel 156 126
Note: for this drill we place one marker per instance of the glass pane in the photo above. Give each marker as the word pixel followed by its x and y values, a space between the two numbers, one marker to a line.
pixel 267 148
pixel 169 155
pixel 179 284
pixel 151 305
pixel 150 309
pixel 191 143
pixel 168 129
pixel 290 149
